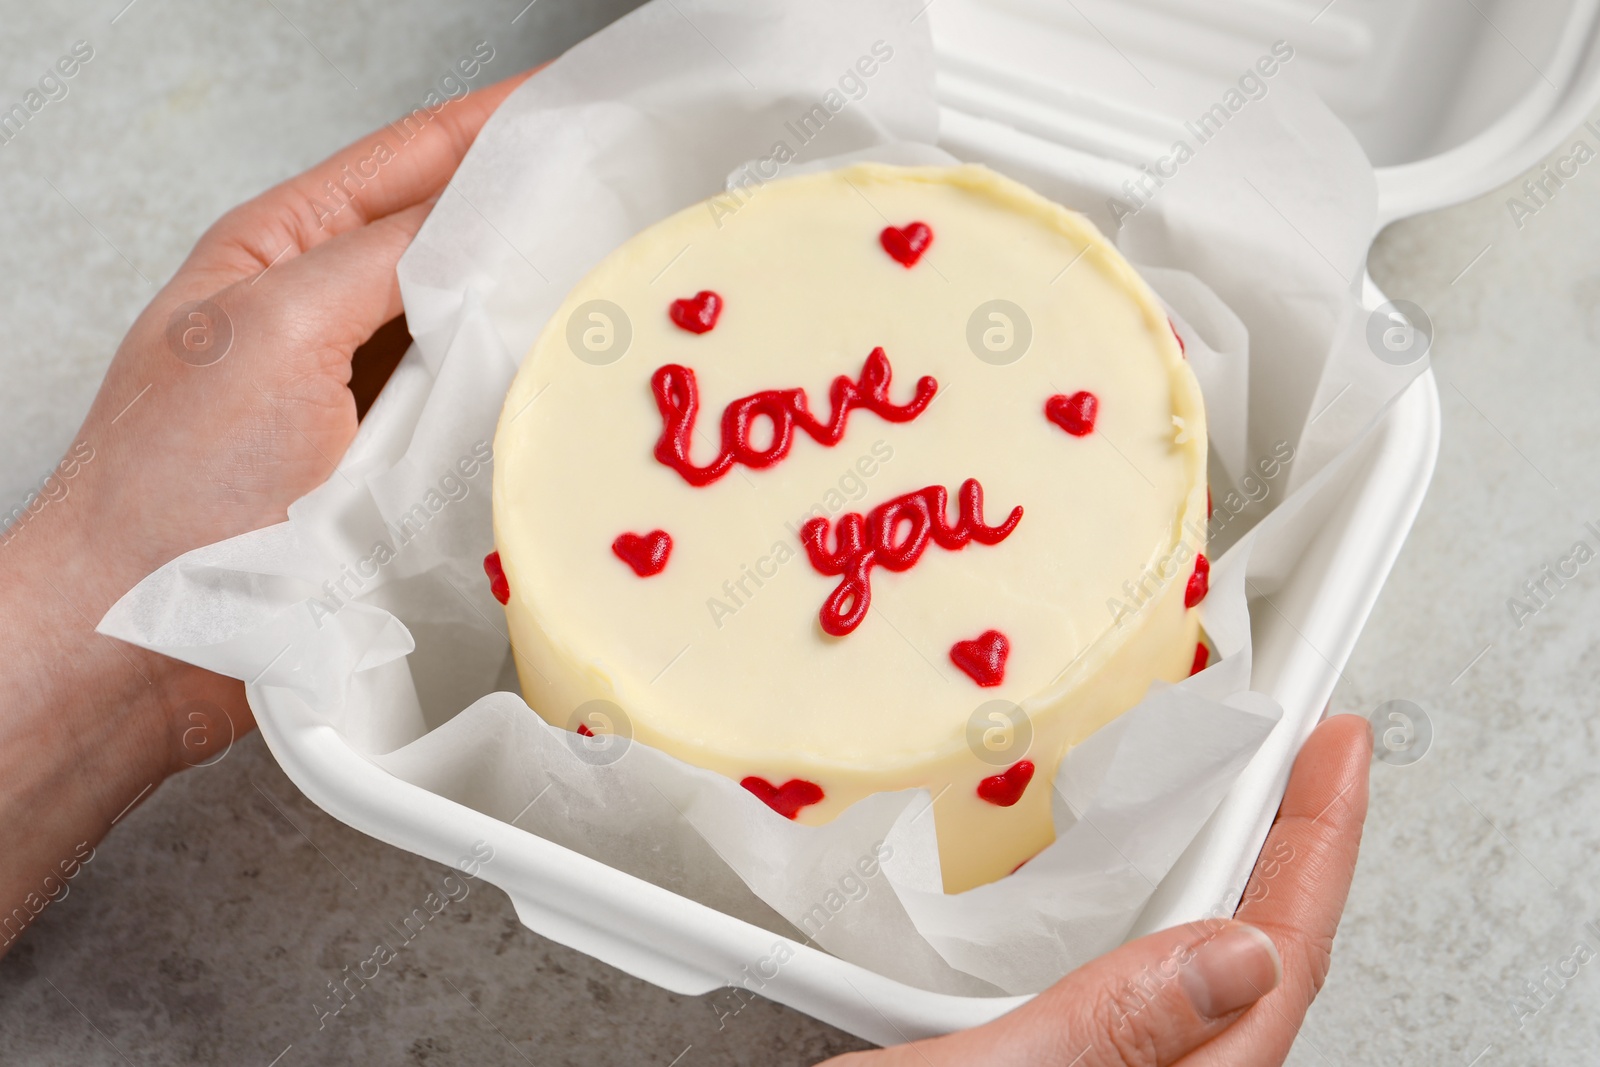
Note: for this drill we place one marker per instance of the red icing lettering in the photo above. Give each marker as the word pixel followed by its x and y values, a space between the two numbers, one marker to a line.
pixel 678 399
pixel 1074 414
pixel 497 578
pixel 786 799
pixel 875 539
pixel 1199 582
pixel 983 658
pixel 646 553
pixel 1006 788
pixel 1202 655
pixel 1183 349
pixel 906 243
pixel 697 313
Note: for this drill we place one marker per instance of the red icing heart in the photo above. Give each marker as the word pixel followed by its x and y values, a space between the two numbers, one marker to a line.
pixel 786 799
pixel 1005 788
pixel 906 243
pixel 983 658
pixel 1202 656
pixel 646 554
pixel 1074 414
pixel 1199 582
pixel 584 731
pixel 697 313
pixel 497 578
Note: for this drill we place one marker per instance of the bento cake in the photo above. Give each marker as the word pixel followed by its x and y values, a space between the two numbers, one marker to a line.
pixel 865 480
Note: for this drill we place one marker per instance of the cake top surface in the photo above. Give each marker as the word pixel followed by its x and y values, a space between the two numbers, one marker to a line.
pixel 653 529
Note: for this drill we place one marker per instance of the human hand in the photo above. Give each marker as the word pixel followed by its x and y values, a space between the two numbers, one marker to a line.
pixel 228 399
pixel 1215 993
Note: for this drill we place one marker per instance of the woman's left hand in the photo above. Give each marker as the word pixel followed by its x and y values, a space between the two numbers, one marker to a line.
pixel 228 400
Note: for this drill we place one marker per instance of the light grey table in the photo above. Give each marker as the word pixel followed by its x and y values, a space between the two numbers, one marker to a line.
pixel 207 926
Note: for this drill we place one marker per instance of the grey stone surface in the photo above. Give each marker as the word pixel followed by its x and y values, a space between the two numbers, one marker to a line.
pixel 206 928
pixel 1479 865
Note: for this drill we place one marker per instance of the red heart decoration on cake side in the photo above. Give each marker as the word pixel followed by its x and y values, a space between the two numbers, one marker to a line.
pixel 646 553
pixel 1202 656
pixel 497 578
pixel 906 243
pixel 786 799
pixel 697 313
pixel 1005 789
pixel 1074 414
pixel 983 658
pixel 1199 582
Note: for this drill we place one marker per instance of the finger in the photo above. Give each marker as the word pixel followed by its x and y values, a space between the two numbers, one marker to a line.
pixel 1320 818
pixel 427 148
pixel 317 309
pixel 389 170
pixel 1298 890
pixel 1146 1004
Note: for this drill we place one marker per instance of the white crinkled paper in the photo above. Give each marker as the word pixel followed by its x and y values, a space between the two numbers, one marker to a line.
pixel 370 601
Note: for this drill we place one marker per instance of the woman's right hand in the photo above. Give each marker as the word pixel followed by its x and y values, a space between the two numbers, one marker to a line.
pixel 1218 993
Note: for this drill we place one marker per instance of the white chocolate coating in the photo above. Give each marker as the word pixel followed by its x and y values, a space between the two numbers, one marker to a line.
pixel 719 659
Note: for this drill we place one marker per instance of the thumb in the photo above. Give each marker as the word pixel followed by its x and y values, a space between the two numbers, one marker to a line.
pixel 1152 1002
pixel 1148 1004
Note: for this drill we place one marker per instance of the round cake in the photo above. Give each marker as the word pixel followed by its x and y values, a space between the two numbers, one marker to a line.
pixel 867 480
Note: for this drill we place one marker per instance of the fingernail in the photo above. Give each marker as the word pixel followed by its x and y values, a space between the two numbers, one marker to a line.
pixel 1236 968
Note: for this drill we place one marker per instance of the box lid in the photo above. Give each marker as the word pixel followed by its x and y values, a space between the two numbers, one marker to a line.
pixel 1448 98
